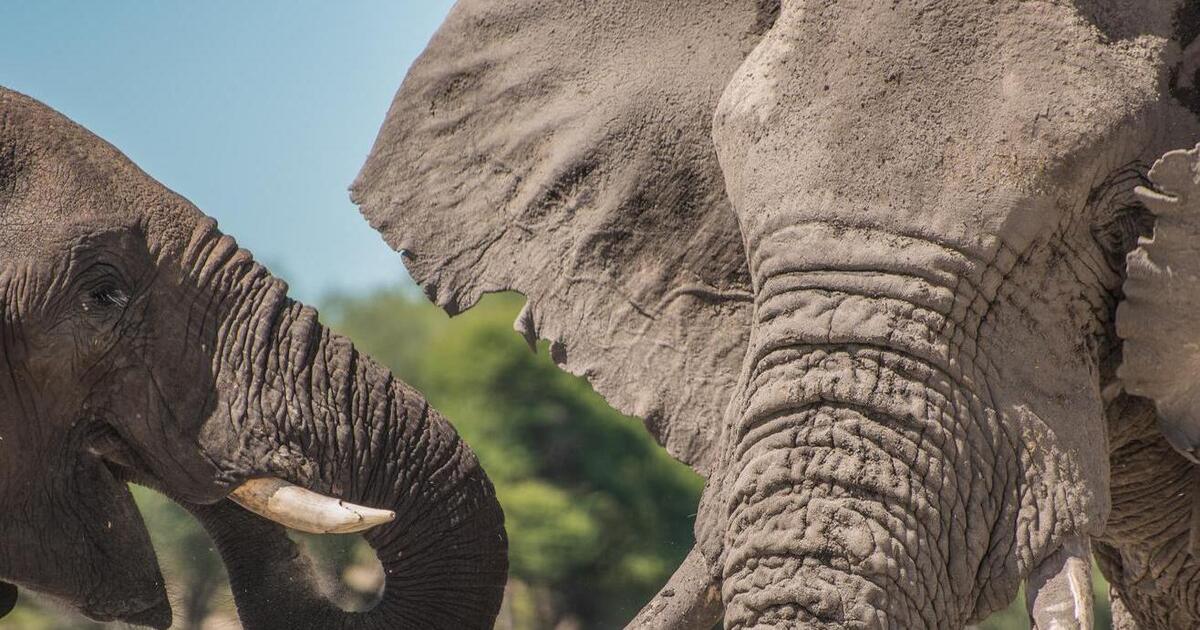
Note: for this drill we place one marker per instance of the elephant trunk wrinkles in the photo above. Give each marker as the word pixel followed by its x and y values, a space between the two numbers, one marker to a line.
pixel 861 456
pixel 322 416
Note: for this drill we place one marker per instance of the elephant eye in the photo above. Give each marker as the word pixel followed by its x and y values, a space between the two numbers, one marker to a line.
pixel 102 288
pixel 109 297
pixel 103 291
pixel 1121 217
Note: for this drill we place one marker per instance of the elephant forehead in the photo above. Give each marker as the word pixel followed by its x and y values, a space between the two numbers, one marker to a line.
pixel 56 177
pixel 932 104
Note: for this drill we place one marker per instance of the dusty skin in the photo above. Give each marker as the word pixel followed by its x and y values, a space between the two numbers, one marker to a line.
pixel 914 285
pixel 862 264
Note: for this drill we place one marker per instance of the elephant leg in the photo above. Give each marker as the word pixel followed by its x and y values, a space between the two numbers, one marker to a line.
pixel 1059 590
pixel 690 600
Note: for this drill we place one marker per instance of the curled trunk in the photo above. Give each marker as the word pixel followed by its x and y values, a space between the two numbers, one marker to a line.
pixel 316 413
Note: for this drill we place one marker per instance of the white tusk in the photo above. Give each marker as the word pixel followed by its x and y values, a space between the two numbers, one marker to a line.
pixel 1058 592
pixel 305 510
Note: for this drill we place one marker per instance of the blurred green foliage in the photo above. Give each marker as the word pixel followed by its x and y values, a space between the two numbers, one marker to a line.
pixel 598 516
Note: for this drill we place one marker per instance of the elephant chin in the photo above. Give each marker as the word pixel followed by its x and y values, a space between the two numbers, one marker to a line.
pixel 103 562
pixel 138 602
pixel 150 607
pixel 155 615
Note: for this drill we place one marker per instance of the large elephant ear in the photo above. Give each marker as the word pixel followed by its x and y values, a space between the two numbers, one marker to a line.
pixel 1160 316
pixel 563 149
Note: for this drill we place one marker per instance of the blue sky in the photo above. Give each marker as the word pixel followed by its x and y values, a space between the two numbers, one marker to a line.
pixel 258 112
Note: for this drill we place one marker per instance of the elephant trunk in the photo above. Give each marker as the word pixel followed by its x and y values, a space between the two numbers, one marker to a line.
pixel 309 409
pixel 864 450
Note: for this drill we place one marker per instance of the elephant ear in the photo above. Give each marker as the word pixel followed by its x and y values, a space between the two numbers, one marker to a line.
pixel 1159 319
pixel 563 149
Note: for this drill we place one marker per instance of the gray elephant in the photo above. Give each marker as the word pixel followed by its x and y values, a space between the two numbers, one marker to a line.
pixel 861 264
pixel 138 343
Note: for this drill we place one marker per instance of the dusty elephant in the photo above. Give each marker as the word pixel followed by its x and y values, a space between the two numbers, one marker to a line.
pixel 862 264
pixel 141 344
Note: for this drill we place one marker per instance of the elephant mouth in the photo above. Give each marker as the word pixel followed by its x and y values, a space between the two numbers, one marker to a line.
pixel 122 461
pixel 271 498
pixel 173 476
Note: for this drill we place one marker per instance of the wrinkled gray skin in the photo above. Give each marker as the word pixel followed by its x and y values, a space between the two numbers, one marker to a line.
pixel 138 343
pixel 857 262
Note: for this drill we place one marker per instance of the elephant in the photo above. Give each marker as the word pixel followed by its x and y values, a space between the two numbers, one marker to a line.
pixel 912 284
pixel 140 344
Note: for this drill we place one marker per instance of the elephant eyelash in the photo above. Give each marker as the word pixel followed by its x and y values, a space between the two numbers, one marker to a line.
pixel 109 297
pixel 103 288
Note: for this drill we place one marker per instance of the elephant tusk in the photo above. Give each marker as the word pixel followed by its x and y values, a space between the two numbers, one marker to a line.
pixel 1058 592
pixel 305 510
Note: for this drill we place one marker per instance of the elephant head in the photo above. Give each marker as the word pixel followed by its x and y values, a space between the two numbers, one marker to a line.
pixel 858 263
pixel 140 344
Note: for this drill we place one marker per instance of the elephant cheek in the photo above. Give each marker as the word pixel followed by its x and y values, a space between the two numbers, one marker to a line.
pixel 158 418
pixel 103 562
